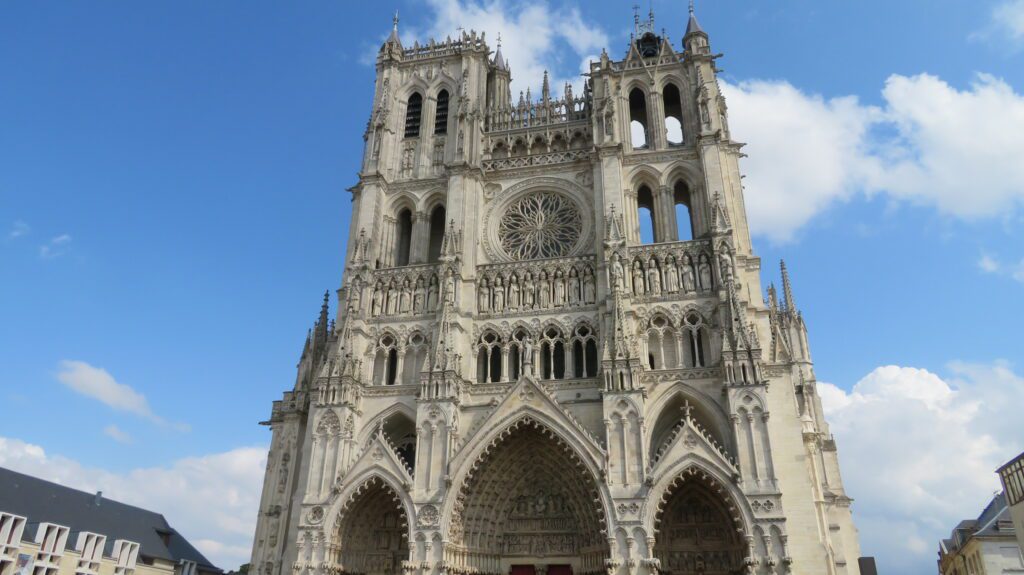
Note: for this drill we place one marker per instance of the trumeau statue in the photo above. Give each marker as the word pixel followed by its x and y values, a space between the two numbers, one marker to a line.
pixel 530 388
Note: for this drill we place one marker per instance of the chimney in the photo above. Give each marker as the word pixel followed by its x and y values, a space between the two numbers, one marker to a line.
pixel 99 498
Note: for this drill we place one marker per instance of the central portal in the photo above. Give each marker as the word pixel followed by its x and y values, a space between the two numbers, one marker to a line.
pixel 529 511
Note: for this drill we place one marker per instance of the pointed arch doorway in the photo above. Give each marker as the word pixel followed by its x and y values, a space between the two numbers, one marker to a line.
pixel 371 537
pixel 698 533
pixel 530 508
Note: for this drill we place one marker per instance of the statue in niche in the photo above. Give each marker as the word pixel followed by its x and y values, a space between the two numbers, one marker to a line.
pixel 725 266
pixel 499 295
pixel 378 299
pixel 405 301
pixel 513 292
pixel 559 289
pixel 449 288
pixel 705 115
pixel 574 287
pixel 618 274
pixel 418 298
pixel 545 290
pixel 432 294
pixel 354 295
pixel 527 359
pixel 392 298
pixel 653 277
pixel 671 275
pixel 484 302
pixel 638 279
pixel 689 282
pixel 589 287
pixel 529 291
pixel 704 272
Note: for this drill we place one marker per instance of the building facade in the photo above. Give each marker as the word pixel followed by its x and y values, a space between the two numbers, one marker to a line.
pixel 523 380
pixel 983 546
pixel 1011 476
pixel 50 529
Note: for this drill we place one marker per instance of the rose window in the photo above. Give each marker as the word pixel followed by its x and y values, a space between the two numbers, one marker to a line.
pixel 540 225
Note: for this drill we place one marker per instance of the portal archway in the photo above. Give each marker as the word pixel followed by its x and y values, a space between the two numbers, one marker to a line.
pixel 530 503
pixel 372 532
pixel 699 531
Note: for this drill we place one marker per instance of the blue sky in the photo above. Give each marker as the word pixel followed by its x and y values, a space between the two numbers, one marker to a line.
pixel 172 208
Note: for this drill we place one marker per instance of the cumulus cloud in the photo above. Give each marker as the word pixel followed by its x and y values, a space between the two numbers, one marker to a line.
pixel 56 247
pixel 919 452
pixel 991 265
pixel 930 144
pixel 212 500
pixel 536 35
pixel 97 383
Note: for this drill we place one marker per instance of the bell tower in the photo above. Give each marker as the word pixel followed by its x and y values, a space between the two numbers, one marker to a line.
pixel 552 344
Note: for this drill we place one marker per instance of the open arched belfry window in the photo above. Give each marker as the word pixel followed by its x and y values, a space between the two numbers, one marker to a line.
pixel 413 115
pixel 441 115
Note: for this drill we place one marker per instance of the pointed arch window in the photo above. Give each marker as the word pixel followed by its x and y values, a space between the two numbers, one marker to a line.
pixel 645 215
pixel 638 123
pixel 441 115
pixel 673 114
pixel 682 198
pixel 413 115
pixel 437 217
pixel 403 237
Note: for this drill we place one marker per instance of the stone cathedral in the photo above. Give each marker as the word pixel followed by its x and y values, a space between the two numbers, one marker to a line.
pixel 553 354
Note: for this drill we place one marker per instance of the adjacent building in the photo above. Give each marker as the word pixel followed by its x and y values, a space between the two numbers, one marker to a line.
pixel 553 353
pixel 50 529
pixel 1012 477
pixel 983 546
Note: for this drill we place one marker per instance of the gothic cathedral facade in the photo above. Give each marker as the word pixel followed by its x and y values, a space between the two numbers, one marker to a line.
pixel 523 378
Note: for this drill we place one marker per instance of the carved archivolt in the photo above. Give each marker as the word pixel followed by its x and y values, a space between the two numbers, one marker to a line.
pixel 538 218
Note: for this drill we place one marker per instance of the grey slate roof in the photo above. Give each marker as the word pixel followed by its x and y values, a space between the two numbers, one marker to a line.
pixel 46 502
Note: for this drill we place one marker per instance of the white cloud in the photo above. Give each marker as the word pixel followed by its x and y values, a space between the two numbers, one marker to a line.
pixel 19 229
pixel 919 452
pixel 56 247
pixel 117 434
pixel 97 383
pixel 212 500
pixel 930 144
pixel 988 264
pixel 536 35
pixel 991 265
pixel 1005 25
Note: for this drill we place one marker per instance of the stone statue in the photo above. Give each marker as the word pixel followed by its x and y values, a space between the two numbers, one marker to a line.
pixel 513 292
pixel 689 282
pixel 449 288
pixel 559 285
pixel 378 299
pixel 704 271
pixel 725 266
pixel 574 287
pixel 484 303
pixel 671 276
pixel 527 355
pixel 418 299
pixel 432 294
pixel 499 296
pixel 589 286
pixel 638 279
pixel 406 298
pixel 545 291
pixel 653 278
pixel 392 298
pixel 617 273
pixel 529 291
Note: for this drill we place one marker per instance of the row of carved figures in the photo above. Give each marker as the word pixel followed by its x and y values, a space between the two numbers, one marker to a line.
pixel 669 276
pixel 407 296
pixel 548 290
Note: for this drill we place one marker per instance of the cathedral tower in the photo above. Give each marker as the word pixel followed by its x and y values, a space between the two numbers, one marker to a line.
pixel 553 352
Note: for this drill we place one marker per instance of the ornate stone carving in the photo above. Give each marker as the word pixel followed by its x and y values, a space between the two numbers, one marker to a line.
pixel 540 225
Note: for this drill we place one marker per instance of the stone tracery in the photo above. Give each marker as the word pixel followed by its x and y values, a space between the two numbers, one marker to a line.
pixel 541 224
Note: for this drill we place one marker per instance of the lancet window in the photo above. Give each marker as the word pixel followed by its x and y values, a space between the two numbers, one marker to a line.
pixel 413 115
pixel 552 354
pixel 437 217
pixel 413 357
pixel 385 360
pixel 441 115
pixel 646 215
pixel 403 237
pixel 500 357
pixel 683 205
pixel 638 121
pixel 673 105
pixel 584 352
pixel 491 355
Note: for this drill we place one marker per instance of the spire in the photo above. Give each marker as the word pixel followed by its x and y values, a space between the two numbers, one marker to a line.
pixel 545 93
pixel 499 60
pixel 393 39
pixel 321 324
pixel 693 27
pixel 788 303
